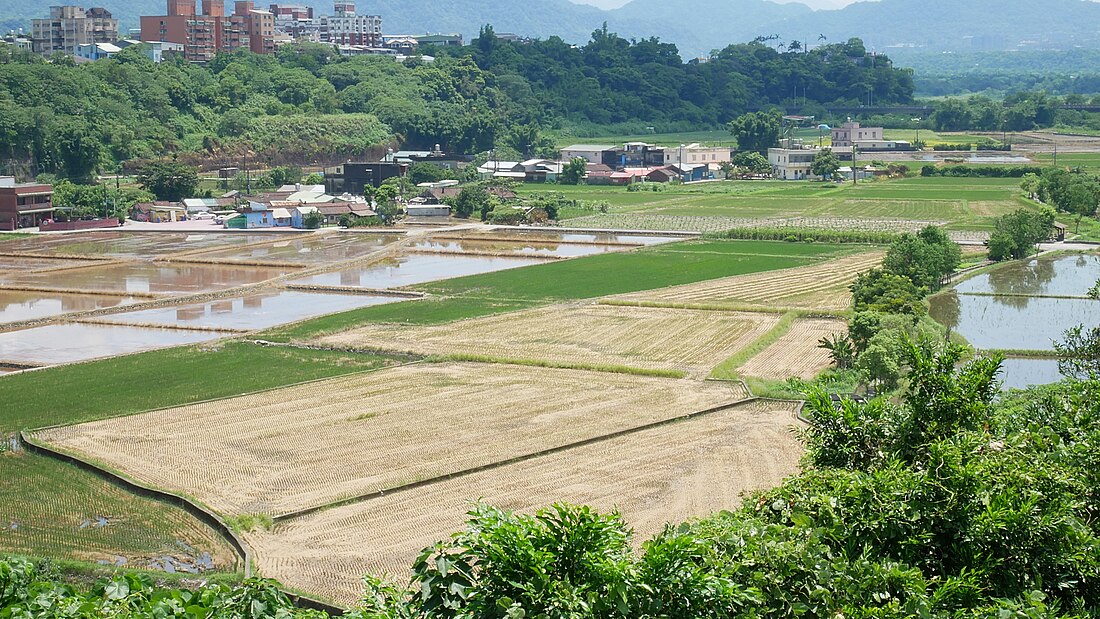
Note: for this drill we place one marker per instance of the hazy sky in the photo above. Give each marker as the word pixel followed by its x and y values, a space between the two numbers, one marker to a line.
pixel 816 4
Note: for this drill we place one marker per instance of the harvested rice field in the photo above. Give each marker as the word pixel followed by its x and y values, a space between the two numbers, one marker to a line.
pixel 822 286
pixel 693 341
pixel 305 446
pixel 796 353
pixel 666 474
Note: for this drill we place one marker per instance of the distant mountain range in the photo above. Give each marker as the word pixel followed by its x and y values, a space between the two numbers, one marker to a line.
pixel 702 25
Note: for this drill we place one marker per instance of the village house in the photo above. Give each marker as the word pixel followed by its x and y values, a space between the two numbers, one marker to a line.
pixel 24 205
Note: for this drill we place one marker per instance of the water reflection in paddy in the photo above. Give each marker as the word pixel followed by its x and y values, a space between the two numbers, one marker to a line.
pixel 310 249
pixel 1019 373
pixel 78 342
pixel 258 311
pixel 16 305
pixel 148 278
pixel 415 269
pixel 1048 275
pixel 1020 323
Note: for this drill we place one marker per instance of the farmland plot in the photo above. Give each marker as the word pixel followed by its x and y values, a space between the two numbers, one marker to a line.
pixel 666 474
pixel 822 286
pixel 312 444
pixel 796 353
pixel 648 338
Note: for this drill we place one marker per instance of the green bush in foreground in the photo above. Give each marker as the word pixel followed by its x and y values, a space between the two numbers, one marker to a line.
pixel 946 504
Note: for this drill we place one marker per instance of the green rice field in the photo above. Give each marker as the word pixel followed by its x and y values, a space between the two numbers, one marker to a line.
pixel 53 509
pixel 962 204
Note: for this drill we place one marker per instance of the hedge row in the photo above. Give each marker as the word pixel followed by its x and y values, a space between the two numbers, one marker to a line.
pixel 806 235
pixel 1006 171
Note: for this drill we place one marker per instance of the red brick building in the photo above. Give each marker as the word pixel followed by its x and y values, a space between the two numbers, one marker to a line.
pixel 204 34
pixel 24 205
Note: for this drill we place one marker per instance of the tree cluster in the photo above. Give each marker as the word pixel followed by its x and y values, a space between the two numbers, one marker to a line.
pixel 1016 234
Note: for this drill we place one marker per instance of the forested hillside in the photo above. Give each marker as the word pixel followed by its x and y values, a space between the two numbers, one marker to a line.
pixel 308 104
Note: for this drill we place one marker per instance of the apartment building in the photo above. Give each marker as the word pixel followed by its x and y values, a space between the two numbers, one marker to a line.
pixel 296 21
pixel 69 27
pixel 204 34
pixel 345 27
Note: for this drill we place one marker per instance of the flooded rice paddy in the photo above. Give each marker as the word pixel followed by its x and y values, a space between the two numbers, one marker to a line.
pixel 309 249
pixel 53 277
pixel 1021 373
pixel 415 269
pixel 67 343
pixel 1026 305
pixel 258 311
pixel 17 306
pixel 129 245
pixel 147 278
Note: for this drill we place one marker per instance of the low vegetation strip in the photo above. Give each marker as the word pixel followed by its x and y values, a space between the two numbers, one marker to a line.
pixel 666 474
pixel 795 353
pixel 647 338
pixel 581 278
pixel 305 446
pixel 821 286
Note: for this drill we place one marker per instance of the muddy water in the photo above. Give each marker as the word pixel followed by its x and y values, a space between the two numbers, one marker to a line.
pixel 415 269
pixel 1021 323
pixel 1017 373
pixel 127 244
pixel 309 249
pixel 16 306
pixel 78 342
pixel 533 248
pixel 253 312
pixel 148 278
pixel 37 264
pixel 1048 275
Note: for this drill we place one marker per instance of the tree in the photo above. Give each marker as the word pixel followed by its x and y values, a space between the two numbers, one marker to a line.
pixel 314 179
pixel 426 172
pixel 1030 183
pixel 751 162
pixel 80 200
pixel 1079 353
pixel 572 173
pixel 169 180
pixel 924 258
pixel 756 131
pixel 312 220
pixel 472 198
pixel 825 164
pixel 880 291
pixel 1016 234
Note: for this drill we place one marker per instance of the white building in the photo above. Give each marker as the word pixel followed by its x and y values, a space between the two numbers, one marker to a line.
pixel 592 153
pixel 792 161
pixel 345 27
pixel 851 134
pixel 696 154
pixel 96 51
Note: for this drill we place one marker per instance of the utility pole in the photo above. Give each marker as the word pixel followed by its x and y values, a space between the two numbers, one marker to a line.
pixel 855 173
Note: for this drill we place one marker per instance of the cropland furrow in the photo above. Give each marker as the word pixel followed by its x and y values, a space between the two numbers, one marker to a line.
pixel 600 335
pixel 668 474
pixel 310 445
